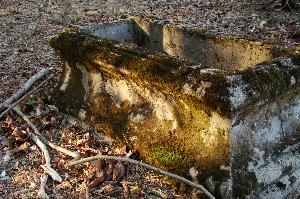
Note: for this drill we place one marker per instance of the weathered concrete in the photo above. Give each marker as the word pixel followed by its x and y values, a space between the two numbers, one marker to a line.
pixel 223 52
pixel 238 128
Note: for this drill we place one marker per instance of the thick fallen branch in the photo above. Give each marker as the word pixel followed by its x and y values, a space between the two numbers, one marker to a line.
pixel 24 89
pixel 26 95
pixel 181 179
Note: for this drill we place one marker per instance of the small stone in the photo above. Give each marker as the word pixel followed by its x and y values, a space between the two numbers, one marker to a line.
pixel 92 13
pixel 262 23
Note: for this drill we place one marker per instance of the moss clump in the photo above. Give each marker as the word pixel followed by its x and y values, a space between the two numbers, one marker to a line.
pixel 166 156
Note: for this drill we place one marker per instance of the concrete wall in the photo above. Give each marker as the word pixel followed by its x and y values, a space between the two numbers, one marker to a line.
pixel 228 53
pixel 265 148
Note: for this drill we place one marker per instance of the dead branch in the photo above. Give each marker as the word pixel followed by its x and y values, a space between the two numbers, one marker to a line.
pixel 181 179
pixel 87 189
pixel 47 167
pixel 73 154
pixel 68 152
pixel 24 89
pixel 26 95
pixel 42 192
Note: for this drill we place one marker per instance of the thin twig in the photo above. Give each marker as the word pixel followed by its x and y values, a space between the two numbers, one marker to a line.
pixel 26 95
pixel 181 179
pixel 23 191
pixel 68 152
pixel 194 173
pixel 287 5
pixel 24 89
pixel 87 189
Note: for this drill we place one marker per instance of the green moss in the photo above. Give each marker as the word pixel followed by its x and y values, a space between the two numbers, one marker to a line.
pixel 31 102
pixel 166 156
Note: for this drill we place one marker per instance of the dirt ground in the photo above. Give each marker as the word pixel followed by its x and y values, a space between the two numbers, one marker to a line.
pixel 25 28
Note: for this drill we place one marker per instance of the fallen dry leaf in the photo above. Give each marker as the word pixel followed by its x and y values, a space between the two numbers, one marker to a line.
pixel 118 172
pixel 23 147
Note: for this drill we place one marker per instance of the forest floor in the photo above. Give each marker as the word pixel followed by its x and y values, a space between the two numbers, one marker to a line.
pixel 25 28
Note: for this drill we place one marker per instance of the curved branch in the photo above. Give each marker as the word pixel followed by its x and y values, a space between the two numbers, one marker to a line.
pixel 158 170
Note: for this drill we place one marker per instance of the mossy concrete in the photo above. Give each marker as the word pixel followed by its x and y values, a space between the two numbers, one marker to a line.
pixel 181 114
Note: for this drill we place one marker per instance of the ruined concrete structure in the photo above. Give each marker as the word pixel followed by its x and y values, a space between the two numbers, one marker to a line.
pixel 227 106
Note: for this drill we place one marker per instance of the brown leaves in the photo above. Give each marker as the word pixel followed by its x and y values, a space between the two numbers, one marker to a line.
pixel 19 134
pixel 23 147
pixel 9 121
pixel 97 181
pixel 106 170
pixel 118 172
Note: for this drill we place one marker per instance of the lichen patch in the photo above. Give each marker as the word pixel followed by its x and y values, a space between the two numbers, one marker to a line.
pixel 85 78
pixel 216 124
pixel 237 92
pixel 121 91
pixel 137 117
pixel 97 82
pixel 67 77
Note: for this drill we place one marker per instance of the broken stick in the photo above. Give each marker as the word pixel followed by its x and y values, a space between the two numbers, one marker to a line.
pixel 158 170
pixel 7 104
pixel 24 89
pixel 42 192
pixel 25 96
